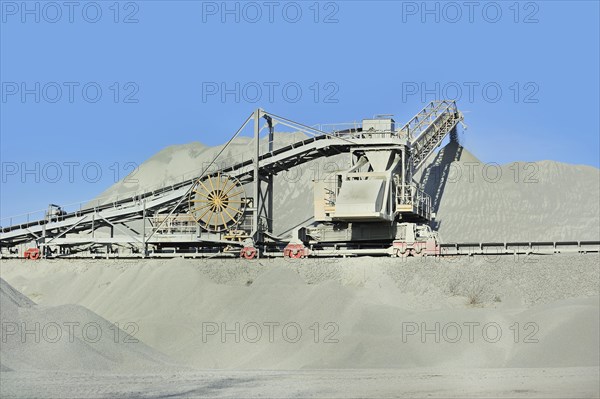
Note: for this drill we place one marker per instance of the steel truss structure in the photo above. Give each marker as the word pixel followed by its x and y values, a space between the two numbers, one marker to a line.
pixel 373 208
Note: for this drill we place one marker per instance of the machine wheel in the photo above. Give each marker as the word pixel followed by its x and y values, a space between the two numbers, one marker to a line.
pixel 32 253
pixel 416 253
pixel 399 254
pixel 248 253
pixel 296 254
pixel 294 251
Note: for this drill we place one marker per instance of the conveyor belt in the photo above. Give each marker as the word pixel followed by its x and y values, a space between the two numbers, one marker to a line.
pixel 131 208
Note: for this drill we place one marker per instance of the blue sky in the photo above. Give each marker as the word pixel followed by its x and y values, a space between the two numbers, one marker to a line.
pixel 105 85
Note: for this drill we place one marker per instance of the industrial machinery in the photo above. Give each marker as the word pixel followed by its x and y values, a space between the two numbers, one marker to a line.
pixel 374 207
pixel 376 200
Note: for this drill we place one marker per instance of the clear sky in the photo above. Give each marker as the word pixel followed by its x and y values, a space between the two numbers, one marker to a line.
pixel 96 87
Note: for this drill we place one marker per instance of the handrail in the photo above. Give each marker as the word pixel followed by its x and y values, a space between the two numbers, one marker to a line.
pixel 421 121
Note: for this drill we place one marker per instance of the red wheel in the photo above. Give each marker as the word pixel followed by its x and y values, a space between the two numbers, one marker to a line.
pixel 248 253
pixel 296 254
pixel 32 253
pixel 294 251
pixel 399 254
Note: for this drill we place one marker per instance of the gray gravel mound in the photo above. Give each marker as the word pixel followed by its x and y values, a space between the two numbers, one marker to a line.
pixel 474 201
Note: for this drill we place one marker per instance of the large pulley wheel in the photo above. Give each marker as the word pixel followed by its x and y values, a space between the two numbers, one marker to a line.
pixel 217 203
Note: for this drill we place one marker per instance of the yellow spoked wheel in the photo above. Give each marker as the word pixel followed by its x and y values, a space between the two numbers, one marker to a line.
pixel 217 203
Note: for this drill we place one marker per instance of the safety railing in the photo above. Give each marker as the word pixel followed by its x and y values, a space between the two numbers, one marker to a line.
pixel 353 130
pixel 174 224
pixel 421 121
pixel 410 195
